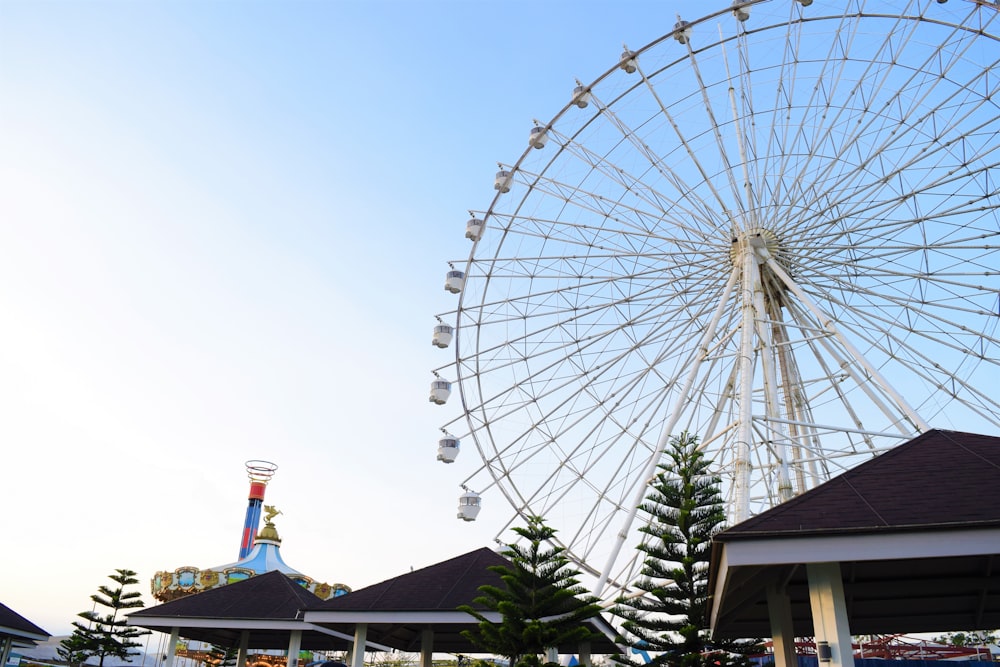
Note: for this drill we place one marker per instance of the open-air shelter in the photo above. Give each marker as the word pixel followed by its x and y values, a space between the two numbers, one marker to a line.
pixel 262 612
pixel 418 611
pixel 16 630
pixel 414 612
pixel 906 542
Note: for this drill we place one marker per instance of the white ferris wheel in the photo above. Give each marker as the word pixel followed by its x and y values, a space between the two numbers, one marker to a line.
pixel 777 227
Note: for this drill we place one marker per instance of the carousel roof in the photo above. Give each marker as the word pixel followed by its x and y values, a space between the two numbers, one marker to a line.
pixel 264 557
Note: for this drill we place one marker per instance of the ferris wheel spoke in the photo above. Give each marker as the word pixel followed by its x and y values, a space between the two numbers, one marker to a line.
pixel 657 162
pixel 691 154
pixel 823 116
pixel 879 226
pixel 640 223
pixel 561 301
pixel 551 495
pixel 780 126
pixel 879 68
pixel 864 199
pixel 826 358
pixel 558 362
pixel 917 152
pixel 566 354
pixel 944 306
pixel 968 343
pixel 659 203
pixel 737 197
pixel 932 372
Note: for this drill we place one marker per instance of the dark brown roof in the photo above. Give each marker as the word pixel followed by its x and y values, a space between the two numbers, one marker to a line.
pixel 219 615
pixel 271 595
pixel 397 611
pixel 443 586
pixel 916 533
pixel 18 627
pixel 938 480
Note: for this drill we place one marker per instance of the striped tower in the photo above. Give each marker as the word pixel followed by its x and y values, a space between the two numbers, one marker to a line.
pixel 260 473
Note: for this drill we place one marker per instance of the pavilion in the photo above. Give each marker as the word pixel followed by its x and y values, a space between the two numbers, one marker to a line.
pixel 906 542
pixel 16 630
pixel 414 612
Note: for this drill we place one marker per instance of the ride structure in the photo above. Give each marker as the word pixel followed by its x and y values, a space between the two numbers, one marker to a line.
pixel 260 473
pixel 259 554
pixel 776 227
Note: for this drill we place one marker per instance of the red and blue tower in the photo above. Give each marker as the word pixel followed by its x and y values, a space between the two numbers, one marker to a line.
pixel 260 473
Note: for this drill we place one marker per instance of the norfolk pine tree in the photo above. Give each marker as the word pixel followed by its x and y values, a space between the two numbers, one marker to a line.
pixel 108 635
pixel 669 619
pixel 541 603
pixel 75 649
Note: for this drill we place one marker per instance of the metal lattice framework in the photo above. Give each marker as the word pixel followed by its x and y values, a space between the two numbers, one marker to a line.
pixel 775 227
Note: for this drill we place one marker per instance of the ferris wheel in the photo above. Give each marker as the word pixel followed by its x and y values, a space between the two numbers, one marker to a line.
pixel 777 228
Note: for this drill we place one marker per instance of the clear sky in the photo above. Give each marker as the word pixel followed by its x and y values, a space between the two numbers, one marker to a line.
pixel 224 229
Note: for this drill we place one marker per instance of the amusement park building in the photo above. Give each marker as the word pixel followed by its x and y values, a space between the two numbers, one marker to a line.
pixel 907 542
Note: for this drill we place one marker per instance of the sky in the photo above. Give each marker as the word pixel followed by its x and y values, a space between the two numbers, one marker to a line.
pixel 224 228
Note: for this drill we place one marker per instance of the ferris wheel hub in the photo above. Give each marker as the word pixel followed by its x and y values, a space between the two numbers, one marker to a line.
pixel 757 237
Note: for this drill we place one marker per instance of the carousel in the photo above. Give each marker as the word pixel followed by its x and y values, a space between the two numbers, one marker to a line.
pixel 260 552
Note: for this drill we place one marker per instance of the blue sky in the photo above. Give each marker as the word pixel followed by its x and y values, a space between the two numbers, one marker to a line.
pixel 223 236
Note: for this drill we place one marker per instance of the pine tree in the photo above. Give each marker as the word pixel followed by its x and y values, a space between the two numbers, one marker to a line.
pixel 75 649
pixel 541 603
pixel 108 635
pixel 669 619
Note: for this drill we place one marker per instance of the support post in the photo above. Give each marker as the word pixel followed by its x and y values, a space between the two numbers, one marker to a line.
pixel 358 651
pixel 779 609
pixel 584 654
pixel 8 642
pixel 829 612
pixel 294 646
pixel 175 634
pixel 426 647
pixel 241 655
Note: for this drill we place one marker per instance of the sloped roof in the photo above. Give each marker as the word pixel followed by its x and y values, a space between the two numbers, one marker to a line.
pixel 916 531
pixel 442 586
pixel 17 627
pixel 267 604
pixel 398 610
pixel 940 479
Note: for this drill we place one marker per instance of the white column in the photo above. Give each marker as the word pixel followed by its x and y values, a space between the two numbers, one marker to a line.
pixel 552 654
pixel 744 433
pixel 241 655
pixel 294 646
pixel 779 609
pixel 175 634
pixel 829 613
pixel 358 651
pixel 584 654
pixel 8 642
pixel 426 647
